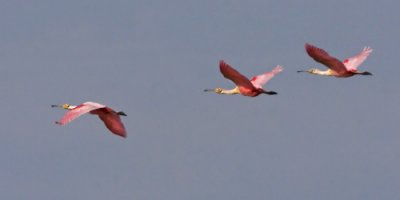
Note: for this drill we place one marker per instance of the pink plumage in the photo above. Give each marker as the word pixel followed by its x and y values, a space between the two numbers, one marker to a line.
pixel 78 111
pixel 353 62
pixel 338 68
pixel 110 118
pixel 260 80
pixel 248 87
pixel 324 58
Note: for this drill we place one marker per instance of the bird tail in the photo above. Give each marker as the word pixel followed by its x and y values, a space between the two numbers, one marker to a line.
pixel 121 113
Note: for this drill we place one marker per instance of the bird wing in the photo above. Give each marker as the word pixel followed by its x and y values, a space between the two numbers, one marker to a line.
pixel 112 121
pixel 259 80
pixel 324 58
pixel 353 62
pixel 78 111
pixel 233 75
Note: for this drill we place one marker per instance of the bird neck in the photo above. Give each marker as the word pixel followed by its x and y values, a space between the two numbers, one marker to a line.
pixel 71 107
pixel 322 73
pixel 231 91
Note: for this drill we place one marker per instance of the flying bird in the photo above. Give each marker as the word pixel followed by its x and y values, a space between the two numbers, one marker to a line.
pixel 244 86
pixel 336 67
pixel 110 118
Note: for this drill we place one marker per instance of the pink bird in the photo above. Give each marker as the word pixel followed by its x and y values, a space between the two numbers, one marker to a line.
pixel 336 67
pixel 110 118
pixel 244 86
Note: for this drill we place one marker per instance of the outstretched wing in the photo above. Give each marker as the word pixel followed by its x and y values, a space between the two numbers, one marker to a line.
pixel 353 62
pixel 235 76
pixel 259 80
pixel 112 121
pixel 324 58
pixel 78 111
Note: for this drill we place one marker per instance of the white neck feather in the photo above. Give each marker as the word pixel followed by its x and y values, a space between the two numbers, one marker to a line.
pixel 323 73
pixel 232 91
pixel 71 107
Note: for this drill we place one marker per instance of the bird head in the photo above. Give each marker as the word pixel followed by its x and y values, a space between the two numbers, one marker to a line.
pixel 65 106
pixel 311 71
pixel 216 90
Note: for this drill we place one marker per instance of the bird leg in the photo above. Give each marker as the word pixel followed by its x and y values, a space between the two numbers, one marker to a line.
pixel 270 92
pixel 364 73
pixel 267 92
pixel 121 113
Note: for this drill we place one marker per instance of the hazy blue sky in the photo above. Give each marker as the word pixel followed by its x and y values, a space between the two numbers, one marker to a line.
pixel 320 138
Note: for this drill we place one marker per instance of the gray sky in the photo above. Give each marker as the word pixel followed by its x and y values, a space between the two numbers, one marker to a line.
pixel 320 138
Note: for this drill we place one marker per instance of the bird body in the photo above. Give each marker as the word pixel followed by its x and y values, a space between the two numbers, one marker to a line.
pixel 337 68
pixel 110 118
pixel 244 86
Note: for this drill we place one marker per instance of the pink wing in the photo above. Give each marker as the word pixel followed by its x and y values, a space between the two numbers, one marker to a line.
pixel 112 121
pixel 233 75
pixel 260 80
pixel 324 58
pixel 353 62
pixel 78 111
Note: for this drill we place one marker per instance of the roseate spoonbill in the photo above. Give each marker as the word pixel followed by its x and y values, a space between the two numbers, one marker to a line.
pixel 110 118
pixel 244 86
pixel 337 68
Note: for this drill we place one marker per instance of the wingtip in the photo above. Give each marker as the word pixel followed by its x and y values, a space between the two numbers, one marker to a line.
pixel 368 49
pixel 278 68
pixel 58 123
pixel 223 65
pixel 123 135
pixel 309 46
pixel 222 62
pixel 119 132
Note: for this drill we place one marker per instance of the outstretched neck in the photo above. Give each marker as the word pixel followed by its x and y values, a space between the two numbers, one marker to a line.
pixel 322 73
pixel 71 107
pixel 232 91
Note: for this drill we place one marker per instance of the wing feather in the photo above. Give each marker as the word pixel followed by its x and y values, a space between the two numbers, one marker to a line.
pixel 353 62
pixel 112 121
pixel 324 58
pixel 78 111
pixel 233 75
pixel 260 80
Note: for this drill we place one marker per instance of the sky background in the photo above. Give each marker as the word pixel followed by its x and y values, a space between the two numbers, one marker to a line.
pixel 319 138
